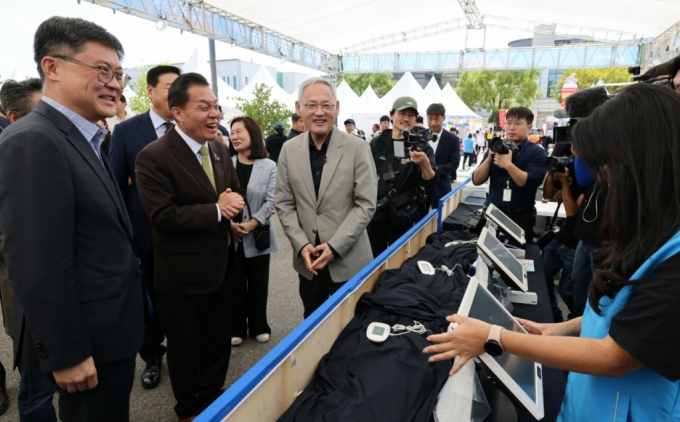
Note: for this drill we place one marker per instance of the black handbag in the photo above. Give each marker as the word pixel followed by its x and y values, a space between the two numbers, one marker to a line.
pixel 261 233
pixel 551 231
pixel 476 221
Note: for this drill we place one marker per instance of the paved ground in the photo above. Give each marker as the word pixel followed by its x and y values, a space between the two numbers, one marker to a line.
pixel 284 314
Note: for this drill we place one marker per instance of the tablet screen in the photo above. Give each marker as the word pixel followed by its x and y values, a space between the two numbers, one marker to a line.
pixel 499 251
pixel 508 225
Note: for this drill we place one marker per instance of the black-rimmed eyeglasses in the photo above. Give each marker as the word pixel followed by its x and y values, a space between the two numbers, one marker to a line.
pixel 104 73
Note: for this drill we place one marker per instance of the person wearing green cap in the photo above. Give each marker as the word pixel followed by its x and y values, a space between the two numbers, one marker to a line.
pixel 403 175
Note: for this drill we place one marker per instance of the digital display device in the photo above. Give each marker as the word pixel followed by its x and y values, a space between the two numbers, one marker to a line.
pixel 506 225
pixel 520 378
pixel 508 266
pixel 378 331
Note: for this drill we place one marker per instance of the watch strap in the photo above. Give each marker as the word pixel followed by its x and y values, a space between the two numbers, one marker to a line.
pixel 495 334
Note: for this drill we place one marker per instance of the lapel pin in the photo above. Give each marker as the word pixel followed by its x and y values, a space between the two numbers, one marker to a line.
pixel 217 158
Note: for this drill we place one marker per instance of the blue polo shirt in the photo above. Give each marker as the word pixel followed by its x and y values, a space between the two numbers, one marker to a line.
pixel 530 158
pixel 469 145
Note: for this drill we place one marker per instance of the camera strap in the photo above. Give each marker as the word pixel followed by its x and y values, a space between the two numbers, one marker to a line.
pixel 554 218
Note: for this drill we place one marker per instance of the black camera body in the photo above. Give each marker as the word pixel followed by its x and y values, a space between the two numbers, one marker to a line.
pixel 559 164
pixel 414 141
pixel 503 147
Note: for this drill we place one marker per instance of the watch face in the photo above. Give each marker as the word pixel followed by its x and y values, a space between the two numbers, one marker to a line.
pixel 493 348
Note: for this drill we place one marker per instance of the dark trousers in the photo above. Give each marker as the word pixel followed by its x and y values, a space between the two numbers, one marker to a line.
pixel 250 286
pixel 581 276
pixel 316 291
pixel 526 219
pixel 108 402
pixel 382 235
pixel 198 332
pixel 36 390
pixel 469 157
pixel 556 257
pixel 152 346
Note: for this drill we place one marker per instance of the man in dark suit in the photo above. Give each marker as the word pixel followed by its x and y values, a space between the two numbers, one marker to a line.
pixel 446 153
pixel 78 294
pixel 130 137
pixel 185 185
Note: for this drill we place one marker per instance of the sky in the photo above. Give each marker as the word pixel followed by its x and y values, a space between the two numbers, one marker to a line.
pixel 328 25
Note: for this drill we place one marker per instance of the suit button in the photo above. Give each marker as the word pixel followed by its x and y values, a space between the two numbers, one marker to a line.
pixel 318 213
pixel 314 231
pixel 139 271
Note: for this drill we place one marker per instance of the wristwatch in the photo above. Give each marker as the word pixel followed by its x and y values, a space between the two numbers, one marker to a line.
pixel 493 344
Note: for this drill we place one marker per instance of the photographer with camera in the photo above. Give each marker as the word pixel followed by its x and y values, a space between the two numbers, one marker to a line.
pixel 515 170
pixel 559 253
pixel 405 165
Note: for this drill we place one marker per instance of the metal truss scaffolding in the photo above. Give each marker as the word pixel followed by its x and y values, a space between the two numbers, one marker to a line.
pixel 662 48
pixel 197 17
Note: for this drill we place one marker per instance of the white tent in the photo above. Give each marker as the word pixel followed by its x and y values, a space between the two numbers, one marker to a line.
pixel 349 102
pixel 370 101
pixel 455 107
pixel 407 87
pixel 264 77
pixel 197 63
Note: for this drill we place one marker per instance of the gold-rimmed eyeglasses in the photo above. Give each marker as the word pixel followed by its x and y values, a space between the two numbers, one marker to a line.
pixel 104 73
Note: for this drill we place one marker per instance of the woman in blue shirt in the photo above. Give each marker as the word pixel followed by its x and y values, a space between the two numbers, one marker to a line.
pixel 622 354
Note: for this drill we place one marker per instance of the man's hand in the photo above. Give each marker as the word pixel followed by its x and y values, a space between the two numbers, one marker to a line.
pixel 238 231
pixel 308 255
pixel 503 161
pixel 230 204
pixel 325 257
pixel 77 378
pixel 419 158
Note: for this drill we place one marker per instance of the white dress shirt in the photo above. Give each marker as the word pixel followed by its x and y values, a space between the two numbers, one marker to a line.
pixel 439 138
pixel 195 147
pixel 158 123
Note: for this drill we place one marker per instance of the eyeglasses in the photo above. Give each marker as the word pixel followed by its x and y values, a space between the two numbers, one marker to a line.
pixel 104 73
pixel 327 108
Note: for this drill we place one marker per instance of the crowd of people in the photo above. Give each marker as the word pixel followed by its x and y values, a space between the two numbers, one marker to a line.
pixel 152 234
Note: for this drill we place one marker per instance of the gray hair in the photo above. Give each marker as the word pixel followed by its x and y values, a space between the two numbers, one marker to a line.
pixel 16 96
pixel 316 80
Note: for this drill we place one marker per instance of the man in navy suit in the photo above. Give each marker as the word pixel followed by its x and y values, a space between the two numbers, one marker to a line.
pixel 446 153
pixel 127 141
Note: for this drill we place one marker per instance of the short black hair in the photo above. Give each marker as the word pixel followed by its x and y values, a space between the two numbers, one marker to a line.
pixel 68 36
pixel 16 96
pixel 436 109
pixel 257 148
pixel 123 99
pixel 295 117
pixel 673 66
pixel 178 94
pixel 155 72
pixel 419 119
pixel 521 113
pixel 385 118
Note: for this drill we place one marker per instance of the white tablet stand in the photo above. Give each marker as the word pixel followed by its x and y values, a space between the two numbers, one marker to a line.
pixel 492 227
pixel 514 296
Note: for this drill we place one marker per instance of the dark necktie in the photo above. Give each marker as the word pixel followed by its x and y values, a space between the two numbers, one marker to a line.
pixel 168 126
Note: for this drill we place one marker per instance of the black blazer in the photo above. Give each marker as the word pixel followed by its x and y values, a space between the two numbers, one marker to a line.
pixel 190 247
pixel 129 138
pixel 68 246
pixel 447 158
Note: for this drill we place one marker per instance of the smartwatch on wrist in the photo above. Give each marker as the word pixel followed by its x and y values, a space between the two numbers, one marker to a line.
pixel 493 344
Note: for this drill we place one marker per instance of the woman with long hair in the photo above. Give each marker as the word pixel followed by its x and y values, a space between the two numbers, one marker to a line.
pixel 250 275
pixel 622 354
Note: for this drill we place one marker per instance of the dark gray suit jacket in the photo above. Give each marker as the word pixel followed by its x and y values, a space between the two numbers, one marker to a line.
pixel 68 247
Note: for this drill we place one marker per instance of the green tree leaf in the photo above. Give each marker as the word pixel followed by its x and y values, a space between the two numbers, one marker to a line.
pixel 381 83
pixel 264 110
pixel 588 77
pixel 492 90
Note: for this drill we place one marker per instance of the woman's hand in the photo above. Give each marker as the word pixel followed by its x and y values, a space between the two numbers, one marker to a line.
pixel 238 231
pixel 251 225
pixel 466 340
pixel 559 329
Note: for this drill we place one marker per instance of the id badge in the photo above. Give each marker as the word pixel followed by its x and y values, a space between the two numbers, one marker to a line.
pixel 507 195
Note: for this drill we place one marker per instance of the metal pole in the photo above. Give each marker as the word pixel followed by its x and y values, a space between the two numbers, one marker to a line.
pixel 213 67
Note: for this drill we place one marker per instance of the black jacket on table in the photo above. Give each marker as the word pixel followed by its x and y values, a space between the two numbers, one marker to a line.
pixel 68 247
pixel 409 176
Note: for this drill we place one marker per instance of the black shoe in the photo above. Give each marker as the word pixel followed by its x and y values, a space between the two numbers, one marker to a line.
pixel 151 376
pixel 4 398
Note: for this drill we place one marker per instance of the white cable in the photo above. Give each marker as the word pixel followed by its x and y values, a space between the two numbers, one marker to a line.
pixel 417 328
pixel 448 271
pixel 460 242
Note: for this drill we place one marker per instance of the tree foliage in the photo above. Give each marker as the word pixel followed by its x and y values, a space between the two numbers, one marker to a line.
pixel 492 90
pixel 264 110
pixel 588 77
pixel 141 102
pixel 382 83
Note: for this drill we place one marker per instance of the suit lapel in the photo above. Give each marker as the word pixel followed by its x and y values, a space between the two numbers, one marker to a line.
pixel 258 167
pixel 190 162
pixel 304 165
pixel 333 156
pixel 146 128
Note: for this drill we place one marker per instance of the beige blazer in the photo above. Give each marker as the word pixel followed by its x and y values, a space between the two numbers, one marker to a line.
pixel 344 207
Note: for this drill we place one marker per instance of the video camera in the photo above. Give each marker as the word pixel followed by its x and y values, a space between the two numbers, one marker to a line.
pixel 663 80
pixel 499 146
pixel 414 141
